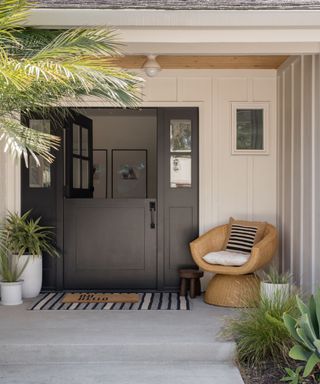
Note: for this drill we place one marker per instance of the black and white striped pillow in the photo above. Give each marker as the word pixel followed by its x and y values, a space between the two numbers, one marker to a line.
pixel 241 238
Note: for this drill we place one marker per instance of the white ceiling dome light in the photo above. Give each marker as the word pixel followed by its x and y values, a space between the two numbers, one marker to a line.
pixel 151 66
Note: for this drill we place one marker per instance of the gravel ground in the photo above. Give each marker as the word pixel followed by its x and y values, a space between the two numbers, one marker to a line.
pixel 268 373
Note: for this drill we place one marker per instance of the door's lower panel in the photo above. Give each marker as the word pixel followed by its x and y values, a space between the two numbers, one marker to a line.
pixel 109 244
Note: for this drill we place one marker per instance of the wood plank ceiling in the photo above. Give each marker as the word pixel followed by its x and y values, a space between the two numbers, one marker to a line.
pixel 206 62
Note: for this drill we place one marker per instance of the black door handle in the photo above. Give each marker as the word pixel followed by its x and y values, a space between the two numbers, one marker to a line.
pixel 152 208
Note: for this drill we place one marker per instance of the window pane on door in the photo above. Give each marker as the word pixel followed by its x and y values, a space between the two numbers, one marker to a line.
pixel 76 139
pixel 84 138
pixel 180 135
pixel 76 173
pixel 39 173
pixel 180 171
pixel 85 174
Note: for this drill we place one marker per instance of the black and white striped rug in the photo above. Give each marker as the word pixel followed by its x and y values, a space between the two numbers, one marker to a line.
pixel 158 301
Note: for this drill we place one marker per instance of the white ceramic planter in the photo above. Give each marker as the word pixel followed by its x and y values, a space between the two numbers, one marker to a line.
pixel 31 276
pixel 274 291
pixel 11 293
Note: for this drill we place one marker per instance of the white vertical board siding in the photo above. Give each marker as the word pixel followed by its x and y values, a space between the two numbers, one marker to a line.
pixel 161 89
pixel 2 182
pixel 287 141
pixel 232 177
pixel 307 170
pixel 264 188
pixel 200 89
pixel 9 183
pixel 296 172
pixel 232 185
pixel 298 168
pixel 279 171
pixel 316 266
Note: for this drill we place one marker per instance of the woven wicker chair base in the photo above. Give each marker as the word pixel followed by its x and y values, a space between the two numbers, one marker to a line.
pixel 233 290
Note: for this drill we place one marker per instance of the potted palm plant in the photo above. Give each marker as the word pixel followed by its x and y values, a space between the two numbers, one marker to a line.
pixel 26 240
pixel 275 285
pixel 11 283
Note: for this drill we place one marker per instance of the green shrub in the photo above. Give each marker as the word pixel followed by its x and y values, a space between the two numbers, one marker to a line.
pixel 273 276
pixel 305 330
pixel 260 332
pixel 25 235
pixel 293 377
pixel 22 235
pixel 10 270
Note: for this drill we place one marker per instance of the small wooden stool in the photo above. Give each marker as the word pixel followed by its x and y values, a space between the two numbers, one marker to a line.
pixel 190 278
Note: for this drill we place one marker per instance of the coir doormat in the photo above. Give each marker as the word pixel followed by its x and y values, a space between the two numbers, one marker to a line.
pixel 88 297
pixel 159 301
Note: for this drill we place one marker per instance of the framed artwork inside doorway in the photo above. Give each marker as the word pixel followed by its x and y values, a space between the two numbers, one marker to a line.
pixel 129 173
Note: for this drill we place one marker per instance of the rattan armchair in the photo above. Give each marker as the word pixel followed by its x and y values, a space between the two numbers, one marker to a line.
pixel 233 286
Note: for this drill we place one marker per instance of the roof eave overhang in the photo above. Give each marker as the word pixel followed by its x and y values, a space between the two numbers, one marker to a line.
pixel 295 31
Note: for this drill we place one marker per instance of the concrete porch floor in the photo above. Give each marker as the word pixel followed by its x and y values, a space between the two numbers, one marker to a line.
pixel 117 347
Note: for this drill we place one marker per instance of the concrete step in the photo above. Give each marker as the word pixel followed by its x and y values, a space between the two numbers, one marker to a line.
pixel 120 373
pixel 211 351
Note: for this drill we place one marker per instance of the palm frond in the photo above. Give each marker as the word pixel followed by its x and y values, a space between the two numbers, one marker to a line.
pixel 80 42
pixel 12 15
pixel 40 69
pixel 32 40
pixel 45 82
pixel 20 140
pixel 11 73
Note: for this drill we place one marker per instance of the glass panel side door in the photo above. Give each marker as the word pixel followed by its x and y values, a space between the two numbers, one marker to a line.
pixel 180 153
pixel 178 188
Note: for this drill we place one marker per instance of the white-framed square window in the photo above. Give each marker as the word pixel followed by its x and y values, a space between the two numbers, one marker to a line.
pixel 250 128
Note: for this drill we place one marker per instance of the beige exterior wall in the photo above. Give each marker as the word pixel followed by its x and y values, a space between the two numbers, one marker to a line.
pixel 2 183
pixel 299 169
pixel 9 183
